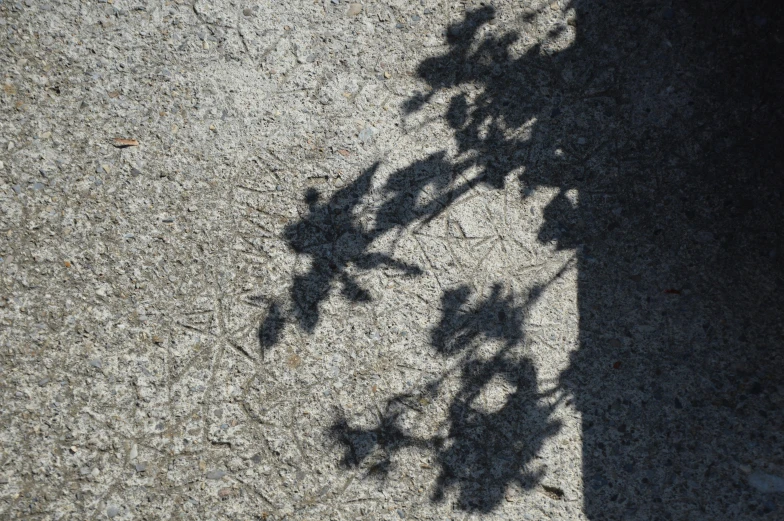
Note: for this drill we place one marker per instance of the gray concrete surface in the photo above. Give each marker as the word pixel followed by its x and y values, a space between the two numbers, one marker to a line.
pixel 386 260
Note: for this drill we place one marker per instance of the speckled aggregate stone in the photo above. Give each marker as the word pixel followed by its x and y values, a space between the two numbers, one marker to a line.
pixel 361 265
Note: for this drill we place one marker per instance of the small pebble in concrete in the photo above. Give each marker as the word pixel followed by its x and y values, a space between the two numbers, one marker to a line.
pixel 215 474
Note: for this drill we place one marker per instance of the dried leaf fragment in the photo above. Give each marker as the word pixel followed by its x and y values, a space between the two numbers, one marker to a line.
pixel 344 153
pixel 124 143
pixel 293 361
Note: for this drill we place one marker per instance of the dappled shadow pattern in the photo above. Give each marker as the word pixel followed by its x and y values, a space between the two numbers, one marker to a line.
pixel 335 241
pixel 479 452
pixel 508 93
pixel 331 235
pixel 459 329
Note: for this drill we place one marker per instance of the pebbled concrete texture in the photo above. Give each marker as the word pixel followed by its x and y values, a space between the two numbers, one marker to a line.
pixel 390 260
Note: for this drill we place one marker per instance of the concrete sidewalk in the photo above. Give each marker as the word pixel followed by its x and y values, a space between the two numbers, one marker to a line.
pixel 391 260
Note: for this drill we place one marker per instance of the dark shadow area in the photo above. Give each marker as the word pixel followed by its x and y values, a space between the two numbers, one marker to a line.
pixel 666 119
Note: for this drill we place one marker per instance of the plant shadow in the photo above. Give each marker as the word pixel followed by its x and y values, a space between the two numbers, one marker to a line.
pixel 497 419
pixel 667 124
